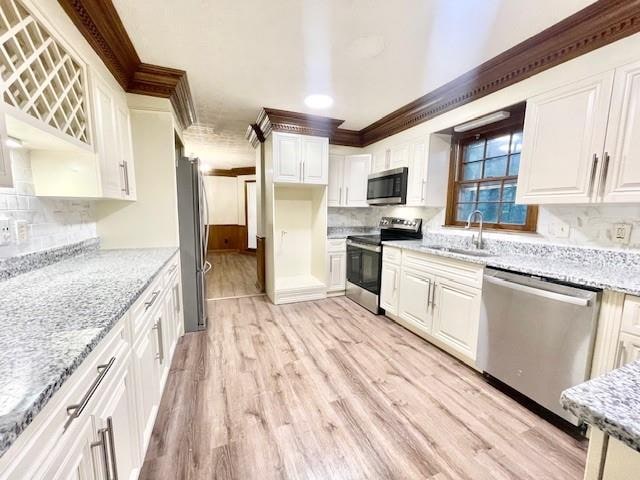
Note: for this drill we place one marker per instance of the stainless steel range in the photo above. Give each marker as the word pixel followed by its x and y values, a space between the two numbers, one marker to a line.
pixel 364 258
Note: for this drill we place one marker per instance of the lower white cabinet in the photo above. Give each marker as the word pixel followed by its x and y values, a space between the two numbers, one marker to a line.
pixel 336 266
pixel 456 313
pixel 115 392
pixel 436 297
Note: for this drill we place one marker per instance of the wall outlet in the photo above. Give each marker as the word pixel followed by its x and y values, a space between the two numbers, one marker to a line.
pixel 5 232
pixel 22 231
pixel 622 233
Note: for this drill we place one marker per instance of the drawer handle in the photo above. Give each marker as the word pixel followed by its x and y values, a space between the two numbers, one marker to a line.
pixel 152 301
pixel 75 410
pixel 158 328
pixel 173 268
pixel 108 459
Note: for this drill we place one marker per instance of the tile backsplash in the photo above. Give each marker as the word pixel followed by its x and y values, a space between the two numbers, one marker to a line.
pixel 52 222
pixel 586 225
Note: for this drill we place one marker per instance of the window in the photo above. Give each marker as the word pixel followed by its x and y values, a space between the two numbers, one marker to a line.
pixel 485 168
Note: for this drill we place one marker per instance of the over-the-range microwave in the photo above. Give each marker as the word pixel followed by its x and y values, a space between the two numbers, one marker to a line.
pixel 388 187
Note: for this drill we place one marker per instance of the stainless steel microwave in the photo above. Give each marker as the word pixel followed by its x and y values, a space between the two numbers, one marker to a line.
pixel 388 187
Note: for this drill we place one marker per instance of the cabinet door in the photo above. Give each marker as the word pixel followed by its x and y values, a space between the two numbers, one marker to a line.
pixel 389 287
pixel 117 430
pixel 629 349
pixel 315 160
pixel 400 156
pixel 125 149
pixel 456 317
pixel 337 271
pixel 73 459
pixel 356 174
pixel 414 305
pixel 147 383
pixel 620 180
pixel 563 142
pixel 287 158
pixel 107 141
pixel 417 173
pixel 6 178
pixel 336 179
pixel 381 160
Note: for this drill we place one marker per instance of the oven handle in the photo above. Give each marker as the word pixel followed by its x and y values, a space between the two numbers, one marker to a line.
pixel 363 246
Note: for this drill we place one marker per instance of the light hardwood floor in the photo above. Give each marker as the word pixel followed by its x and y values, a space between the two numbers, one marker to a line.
pixel 233 275
pixel 326 390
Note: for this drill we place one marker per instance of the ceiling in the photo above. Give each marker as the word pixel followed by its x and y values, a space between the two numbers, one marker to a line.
pixel 371 56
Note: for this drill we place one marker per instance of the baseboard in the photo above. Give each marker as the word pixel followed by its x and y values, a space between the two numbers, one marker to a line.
pixel 335 293
pixel 305 294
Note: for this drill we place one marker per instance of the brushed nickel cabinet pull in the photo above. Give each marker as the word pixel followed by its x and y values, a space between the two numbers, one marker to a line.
pixel 125 173
pixel 592 179
pixel 603 179
pixel 76 409
pixel 109 463
pixel 158 328
pixel 429 295
pixel 152 301
pixel 112 449
pixel 433 295
pixel 621 349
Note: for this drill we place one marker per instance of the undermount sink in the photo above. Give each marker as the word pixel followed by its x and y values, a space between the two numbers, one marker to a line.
pixel 462 251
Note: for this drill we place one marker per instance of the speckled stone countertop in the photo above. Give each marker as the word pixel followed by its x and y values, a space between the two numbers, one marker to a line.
pixel 51 318
pixel 344 232
pixel 610 269
pixel 610 403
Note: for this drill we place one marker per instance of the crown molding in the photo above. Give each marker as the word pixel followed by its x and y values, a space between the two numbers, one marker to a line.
pixel 595 26
pixel 101 26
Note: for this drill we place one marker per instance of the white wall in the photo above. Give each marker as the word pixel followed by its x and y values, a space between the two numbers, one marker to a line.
pixel 226 199
pixel 242 220
pixel 52 222
pixel 580 225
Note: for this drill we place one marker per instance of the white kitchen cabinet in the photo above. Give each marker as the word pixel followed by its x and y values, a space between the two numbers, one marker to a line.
pixel 336 266
pixel 400 155
pixel 74 460
pixel 629 349
pixel 417 180
pixel 336 180
pixel 6 177
pixel 125 152
pixel 620 180
pixel 389 287
pixel 563 145
pixel 348 178
pixel 107 139
pixel 356 173
pixel 300 159
pixel 456 313
pixel 381 160
pixel 415 297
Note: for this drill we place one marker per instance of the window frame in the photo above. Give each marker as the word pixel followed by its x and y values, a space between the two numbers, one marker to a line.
pixel 458 140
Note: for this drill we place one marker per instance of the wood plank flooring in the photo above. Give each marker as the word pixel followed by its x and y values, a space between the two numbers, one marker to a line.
pixel 233 274
pixel 326 390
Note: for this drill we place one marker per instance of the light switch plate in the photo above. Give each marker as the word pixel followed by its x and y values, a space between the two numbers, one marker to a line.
pixel 622 233
pixel 5 232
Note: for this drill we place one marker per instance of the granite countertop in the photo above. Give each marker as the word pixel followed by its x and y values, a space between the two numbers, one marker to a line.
pixel 344 232
pixel 610 403
pixel 592 267
pixel 54 316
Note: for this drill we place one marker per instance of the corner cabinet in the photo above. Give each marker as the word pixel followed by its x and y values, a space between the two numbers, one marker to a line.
pixel 300 159
pixel 581 142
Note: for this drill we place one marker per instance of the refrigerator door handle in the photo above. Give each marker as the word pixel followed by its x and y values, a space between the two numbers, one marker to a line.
pixel 207 267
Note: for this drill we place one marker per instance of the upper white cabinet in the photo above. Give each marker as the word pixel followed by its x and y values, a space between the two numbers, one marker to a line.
pixel 348 177
pixel 399 155
pixel 6 177
pixel 300 159
pixel 581 142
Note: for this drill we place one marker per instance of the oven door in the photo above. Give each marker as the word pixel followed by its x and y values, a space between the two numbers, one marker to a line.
pixel 388 187
pixel 363 265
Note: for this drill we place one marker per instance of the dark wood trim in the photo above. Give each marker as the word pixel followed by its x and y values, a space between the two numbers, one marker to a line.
pixel 101 26
pixel 246 216
pixel 233 172
pixel 595 26
pixel 260 261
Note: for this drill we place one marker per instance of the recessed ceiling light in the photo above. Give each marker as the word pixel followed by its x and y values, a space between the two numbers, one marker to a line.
pixel 318 101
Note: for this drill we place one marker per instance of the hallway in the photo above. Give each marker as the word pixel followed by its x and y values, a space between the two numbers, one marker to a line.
pixel 326 390
pixel 233 275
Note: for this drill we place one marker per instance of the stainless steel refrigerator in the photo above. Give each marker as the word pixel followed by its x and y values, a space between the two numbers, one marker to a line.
pixel 193 214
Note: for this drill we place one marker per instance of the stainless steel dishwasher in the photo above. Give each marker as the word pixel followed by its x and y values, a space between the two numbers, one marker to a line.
pixel 537 336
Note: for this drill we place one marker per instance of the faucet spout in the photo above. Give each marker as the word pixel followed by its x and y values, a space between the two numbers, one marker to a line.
pixel 477 243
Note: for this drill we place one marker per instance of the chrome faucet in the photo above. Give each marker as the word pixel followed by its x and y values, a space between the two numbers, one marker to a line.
pixel 477 243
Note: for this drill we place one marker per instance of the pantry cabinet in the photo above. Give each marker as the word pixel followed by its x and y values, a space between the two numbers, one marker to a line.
pixel 348 176
pixel 581 142
pixel 300 159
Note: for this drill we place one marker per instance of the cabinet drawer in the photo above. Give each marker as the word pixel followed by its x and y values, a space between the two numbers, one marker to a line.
pixel 336 244
pixel 146 303
pixel 457 270
pixel 171 270
pixel 391 255
pixel 631 315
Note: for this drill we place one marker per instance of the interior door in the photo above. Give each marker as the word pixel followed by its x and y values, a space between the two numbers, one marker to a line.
pixel 251 218
pixel 357 169
pixel 563 146
pixel 336 179
pixel 620 181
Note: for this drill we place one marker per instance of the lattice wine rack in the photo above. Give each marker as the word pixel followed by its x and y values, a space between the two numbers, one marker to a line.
pixel 38 75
